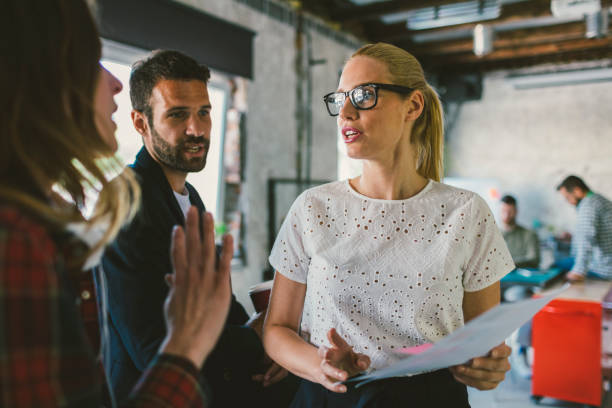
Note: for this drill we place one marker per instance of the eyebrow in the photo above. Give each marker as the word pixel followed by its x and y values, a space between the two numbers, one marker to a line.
pixel 183 108
pixel 357 86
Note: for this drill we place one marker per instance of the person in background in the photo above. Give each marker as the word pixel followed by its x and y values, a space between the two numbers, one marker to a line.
pixel 171 111
pixel 390 259
pixel 523 244
pixel 55 127
pixel 592 238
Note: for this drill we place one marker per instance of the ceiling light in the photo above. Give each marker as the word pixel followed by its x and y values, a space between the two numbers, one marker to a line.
pixel 483 39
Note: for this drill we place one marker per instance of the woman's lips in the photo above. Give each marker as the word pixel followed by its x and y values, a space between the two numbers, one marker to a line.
pixel 350 134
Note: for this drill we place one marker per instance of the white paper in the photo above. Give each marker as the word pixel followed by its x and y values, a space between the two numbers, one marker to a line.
pixel 475 339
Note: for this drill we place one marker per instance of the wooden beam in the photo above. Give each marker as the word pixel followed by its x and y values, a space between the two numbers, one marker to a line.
pixel 563 58
pixel 375 10
pixel 507 39
pixel 510 13
pixel 562 51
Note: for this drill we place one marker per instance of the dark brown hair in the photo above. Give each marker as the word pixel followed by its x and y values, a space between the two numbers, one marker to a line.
pixel 571 182
pixel 161 64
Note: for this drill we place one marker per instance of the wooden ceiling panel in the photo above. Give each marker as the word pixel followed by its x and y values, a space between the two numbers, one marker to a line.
pixel 520 47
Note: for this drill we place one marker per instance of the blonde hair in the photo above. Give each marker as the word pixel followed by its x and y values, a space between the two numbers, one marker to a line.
pixel 428 131
pixel 48 136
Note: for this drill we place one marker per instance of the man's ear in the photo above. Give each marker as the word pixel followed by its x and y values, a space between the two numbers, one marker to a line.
pixel 139 119
pixel 416 104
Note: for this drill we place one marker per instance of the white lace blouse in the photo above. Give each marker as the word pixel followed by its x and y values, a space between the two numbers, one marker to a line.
pixel 388 274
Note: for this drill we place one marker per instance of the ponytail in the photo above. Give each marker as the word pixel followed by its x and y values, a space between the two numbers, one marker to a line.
pixel 428 137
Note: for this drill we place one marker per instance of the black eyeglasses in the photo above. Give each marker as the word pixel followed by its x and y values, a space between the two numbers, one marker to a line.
pixel 363 97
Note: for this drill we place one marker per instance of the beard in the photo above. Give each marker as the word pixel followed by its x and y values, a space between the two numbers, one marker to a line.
pixel 174 157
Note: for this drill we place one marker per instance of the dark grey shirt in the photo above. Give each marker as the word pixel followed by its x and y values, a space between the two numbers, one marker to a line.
pixel 524 247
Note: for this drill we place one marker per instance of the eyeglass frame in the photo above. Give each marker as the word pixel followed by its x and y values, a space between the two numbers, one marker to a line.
pixel 404 90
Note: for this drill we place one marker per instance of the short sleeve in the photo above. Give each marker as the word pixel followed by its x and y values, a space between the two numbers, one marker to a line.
pixel 488 258
pixel 289 255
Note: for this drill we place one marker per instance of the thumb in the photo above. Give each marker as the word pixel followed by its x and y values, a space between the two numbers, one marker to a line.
pixel 336 340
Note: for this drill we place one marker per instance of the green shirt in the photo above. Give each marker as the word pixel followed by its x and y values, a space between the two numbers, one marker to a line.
pixel 524 247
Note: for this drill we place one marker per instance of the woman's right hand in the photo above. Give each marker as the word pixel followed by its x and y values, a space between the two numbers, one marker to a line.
pixel 339 362
pixel 198 303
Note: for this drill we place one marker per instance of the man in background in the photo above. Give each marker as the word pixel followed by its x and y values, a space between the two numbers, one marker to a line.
pixel 592 239
pixel 523 244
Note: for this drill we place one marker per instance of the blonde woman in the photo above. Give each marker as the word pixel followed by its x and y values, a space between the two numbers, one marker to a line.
pixel 55 126
pixel 390 259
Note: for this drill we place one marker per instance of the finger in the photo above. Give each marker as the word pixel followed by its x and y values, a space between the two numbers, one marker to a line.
pixel 274 374
pixel 208 246
pixel 481 385
pixel 258 378
pixel 226 259
pixel 476 374
pixel 501 351
pixel 362 362
pixel 169 278
pixel 490 364
pixel 336 340
pixel 192 232
pixel 333 385
pixel 178 254
pixel 333 372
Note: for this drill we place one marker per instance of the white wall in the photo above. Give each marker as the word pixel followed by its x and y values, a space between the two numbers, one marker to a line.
pixel 529 140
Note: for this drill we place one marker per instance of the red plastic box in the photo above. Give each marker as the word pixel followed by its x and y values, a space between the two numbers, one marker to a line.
pixel 567 352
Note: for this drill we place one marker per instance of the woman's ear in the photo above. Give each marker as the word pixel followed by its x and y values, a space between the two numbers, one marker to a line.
pixel 415 105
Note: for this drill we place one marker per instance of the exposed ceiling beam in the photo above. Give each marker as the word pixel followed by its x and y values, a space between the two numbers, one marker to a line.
pixel 507 39
pixel 375 10
pixel 573 49
pixel 510 12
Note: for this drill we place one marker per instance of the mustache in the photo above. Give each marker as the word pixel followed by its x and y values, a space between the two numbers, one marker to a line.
pixel 196 140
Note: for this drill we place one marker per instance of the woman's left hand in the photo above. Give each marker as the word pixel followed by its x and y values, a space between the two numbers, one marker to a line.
pixel 484 373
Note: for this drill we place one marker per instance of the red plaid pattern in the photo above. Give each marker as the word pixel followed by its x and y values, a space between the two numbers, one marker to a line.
pixel 46 357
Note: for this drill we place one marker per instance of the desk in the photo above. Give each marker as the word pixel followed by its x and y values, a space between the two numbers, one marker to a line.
pixel 531 277
pixel 569 352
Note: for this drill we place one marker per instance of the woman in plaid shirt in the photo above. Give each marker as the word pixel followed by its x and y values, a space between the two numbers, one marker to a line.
pixel 55 125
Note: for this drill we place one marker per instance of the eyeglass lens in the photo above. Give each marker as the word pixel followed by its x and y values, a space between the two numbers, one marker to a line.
pixel 362 97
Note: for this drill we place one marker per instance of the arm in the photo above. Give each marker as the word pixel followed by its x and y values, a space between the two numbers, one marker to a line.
pixel 485 372
pixel 325 365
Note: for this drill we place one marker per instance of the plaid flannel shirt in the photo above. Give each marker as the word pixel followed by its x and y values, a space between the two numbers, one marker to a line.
pixel 46 357
pixel 592 241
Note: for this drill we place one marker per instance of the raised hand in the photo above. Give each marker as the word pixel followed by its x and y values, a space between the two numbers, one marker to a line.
pixel 339 362
pixel 199 299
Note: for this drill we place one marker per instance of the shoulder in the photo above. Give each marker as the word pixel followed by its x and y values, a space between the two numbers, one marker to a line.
pixel 324 193
pixel 454 197
pixel 17 224
pixel 601 201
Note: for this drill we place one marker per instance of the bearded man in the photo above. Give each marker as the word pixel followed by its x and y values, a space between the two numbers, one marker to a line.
pixel 171 111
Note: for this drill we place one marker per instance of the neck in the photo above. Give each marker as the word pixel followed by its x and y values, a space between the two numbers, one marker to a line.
pixel 389 180
pixel 508 226
pixel 175 178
